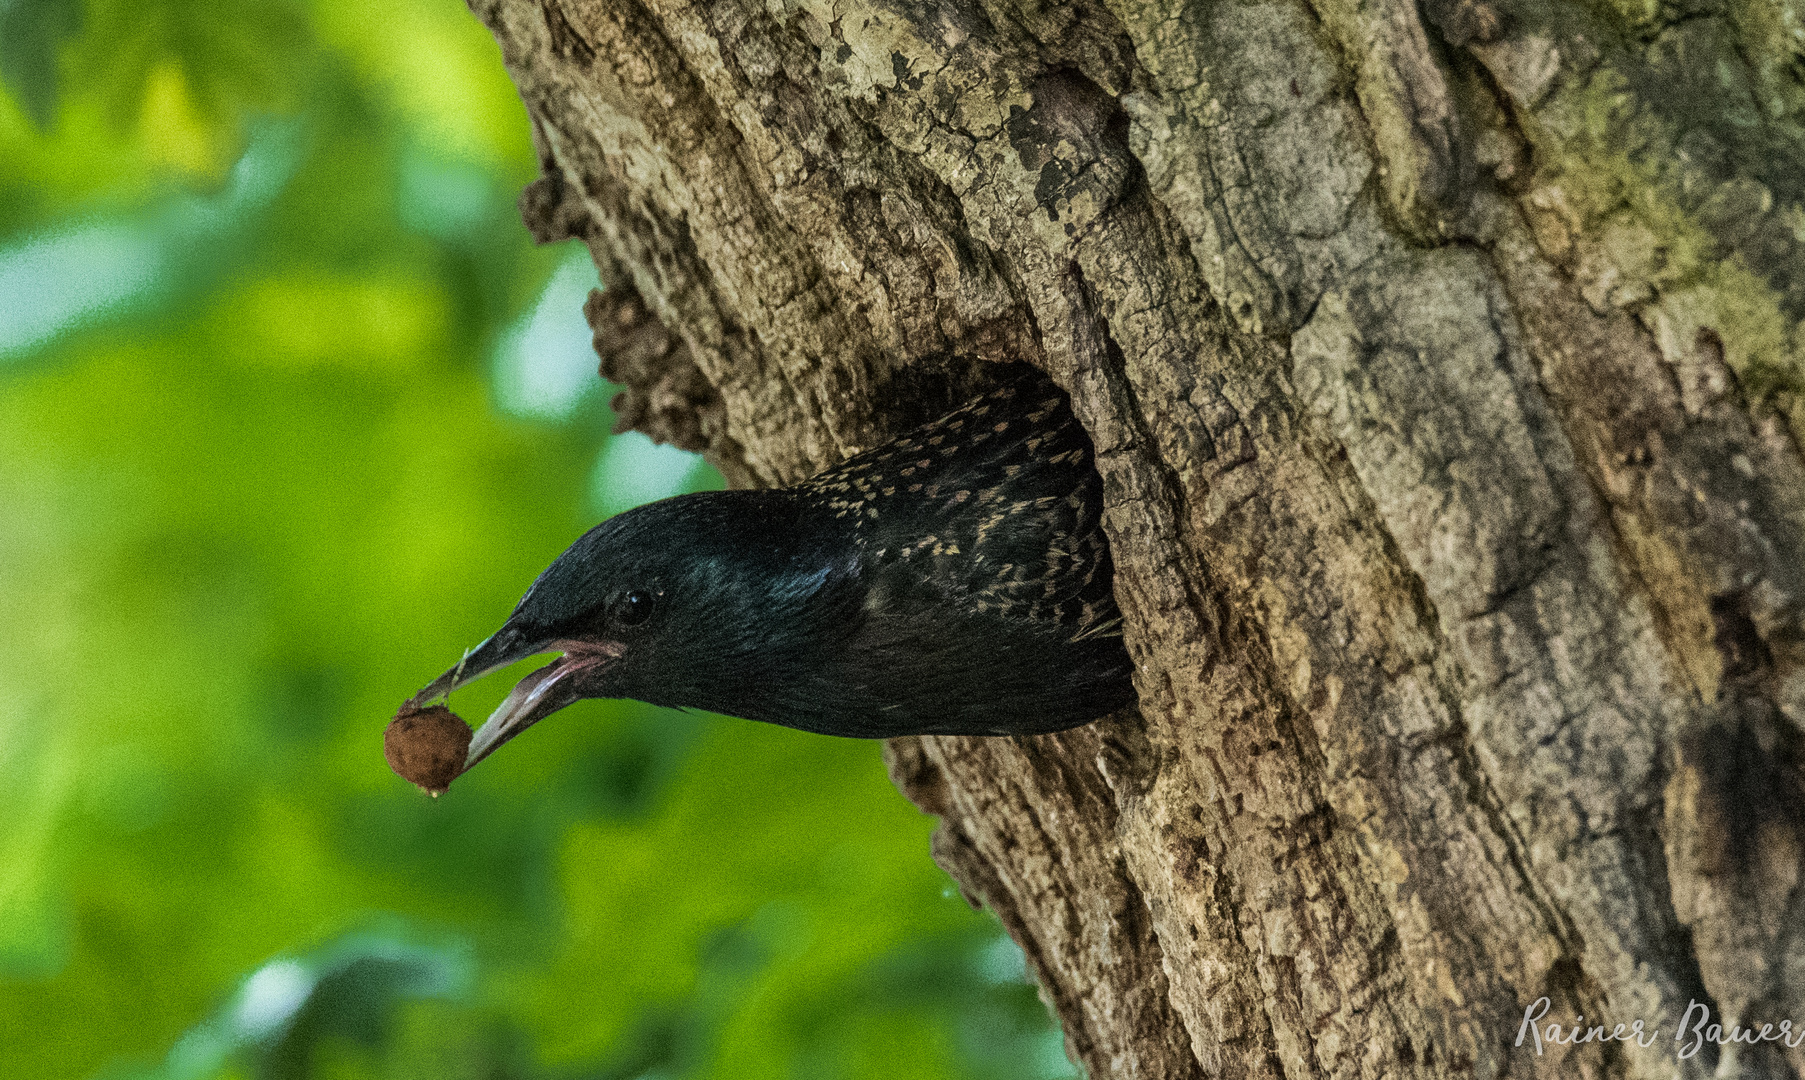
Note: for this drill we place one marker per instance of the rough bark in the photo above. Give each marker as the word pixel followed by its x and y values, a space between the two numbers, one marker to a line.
pixel 1444 365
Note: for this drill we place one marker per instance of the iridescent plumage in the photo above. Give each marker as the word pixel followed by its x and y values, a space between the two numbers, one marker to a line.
pixel 953 581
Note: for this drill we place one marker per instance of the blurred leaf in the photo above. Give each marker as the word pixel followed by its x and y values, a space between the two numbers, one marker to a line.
pixel 31 35
pixel 439 68
pixel 229 57
pixel 293 1011
pixel 75 277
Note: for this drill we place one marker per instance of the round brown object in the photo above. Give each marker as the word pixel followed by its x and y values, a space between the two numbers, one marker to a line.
pixel 427 747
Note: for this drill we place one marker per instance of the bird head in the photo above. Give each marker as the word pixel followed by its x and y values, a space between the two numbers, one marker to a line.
pixel 681 602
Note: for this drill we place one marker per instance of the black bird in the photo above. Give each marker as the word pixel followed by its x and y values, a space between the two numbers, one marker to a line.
pixel 954 581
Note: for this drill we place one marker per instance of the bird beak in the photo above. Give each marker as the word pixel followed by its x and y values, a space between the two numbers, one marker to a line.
pixel 533 698
pixel 505 647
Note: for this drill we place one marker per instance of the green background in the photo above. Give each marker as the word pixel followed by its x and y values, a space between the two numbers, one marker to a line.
pixel 291 412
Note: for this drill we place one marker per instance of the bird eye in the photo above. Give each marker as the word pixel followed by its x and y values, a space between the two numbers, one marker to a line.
pixel 633 608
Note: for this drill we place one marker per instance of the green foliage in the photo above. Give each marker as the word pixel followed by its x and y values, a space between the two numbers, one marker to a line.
pixel 288 420
pixel 31 33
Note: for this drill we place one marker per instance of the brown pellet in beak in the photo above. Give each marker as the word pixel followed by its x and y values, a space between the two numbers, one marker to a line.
pixel 427 747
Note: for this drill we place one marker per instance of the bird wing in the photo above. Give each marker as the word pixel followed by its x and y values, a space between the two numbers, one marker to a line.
pixel 995 508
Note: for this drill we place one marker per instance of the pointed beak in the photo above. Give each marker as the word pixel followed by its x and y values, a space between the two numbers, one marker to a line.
pixel 534 698
pixel 506 646
pixel 538 696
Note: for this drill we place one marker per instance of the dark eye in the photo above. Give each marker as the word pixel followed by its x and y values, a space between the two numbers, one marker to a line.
pixel 633 608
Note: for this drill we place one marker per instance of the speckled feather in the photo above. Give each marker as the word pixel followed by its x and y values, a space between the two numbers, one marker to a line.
pixel 994 509
pixel 953 581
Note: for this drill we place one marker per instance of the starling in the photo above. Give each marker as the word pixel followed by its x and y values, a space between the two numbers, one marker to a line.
pixel 955 581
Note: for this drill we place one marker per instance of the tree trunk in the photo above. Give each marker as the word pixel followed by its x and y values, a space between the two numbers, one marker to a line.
pixel 1443 361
